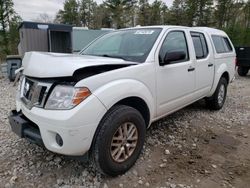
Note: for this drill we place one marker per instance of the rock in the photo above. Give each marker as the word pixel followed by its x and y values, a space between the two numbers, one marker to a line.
pixel 60 182
pixel 163 165
pixel 135 172
pixel 191 161
pixel 214 166
pixel 147 184
pixel 172 185
pixel 167 152
pixel 57 160
pixel 7 185
pixel 105 185
pixel 49 158
pixel 13 179
pixel 140 182
pixel 121 185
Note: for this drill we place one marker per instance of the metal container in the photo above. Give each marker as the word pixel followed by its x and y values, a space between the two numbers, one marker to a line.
pixel 44 37
pixel 14 62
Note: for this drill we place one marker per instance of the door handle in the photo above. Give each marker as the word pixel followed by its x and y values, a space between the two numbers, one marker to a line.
pixel 210 64
pixel 191 69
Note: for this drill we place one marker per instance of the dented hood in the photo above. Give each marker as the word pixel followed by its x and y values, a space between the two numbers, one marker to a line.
pixel 47 65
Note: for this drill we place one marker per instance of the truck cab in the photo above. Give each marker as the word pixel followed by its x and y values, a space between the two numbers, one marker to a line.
pixel 101 101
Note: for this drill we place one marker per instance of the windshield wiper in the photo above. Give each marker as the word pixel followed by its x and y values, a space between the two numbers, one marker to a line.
pixel 113 56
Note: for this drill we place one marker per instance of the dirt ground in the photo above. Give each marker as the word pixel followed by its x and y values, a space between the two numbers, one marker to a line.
pixel 193 147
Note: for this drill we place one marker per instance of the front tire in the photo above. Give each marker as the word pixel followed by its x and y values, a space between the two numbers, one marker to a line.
pixel 217 101
pixel 242 71
pixel 119 140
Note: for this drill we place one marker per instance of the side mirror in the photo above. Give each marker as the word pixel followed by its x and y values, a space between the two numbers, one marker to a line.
pixel 173 56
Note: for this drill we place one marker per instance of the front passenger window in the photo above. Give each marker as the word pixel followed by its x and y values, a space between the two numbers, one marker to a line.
pixel 175 41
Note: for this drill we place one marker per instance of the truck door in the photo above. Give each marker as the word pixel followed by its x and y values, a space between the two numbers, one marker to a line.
pixel 175 80
pixel 204 63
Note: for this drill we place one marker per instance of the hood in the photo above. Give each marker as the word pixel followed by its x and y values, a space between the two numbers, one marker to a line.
pixel 52 65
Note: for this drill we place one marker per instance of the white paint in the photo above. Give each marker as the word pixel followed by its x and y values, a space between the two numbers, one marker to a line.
pixel 164 89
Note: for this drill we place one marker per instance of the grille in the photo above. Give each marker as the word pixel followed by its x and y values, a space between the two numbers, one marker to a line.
pixel 34 92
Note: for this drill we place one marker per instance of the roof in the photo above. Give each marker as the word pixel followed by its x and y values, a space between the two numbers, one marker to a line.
pixel 211 30
pixel 13 57
pixel 39 25
pixel 208 30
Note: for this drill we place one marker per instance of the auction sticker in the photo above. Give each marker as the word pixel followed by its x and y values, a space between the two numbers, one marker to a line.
pixel 144 32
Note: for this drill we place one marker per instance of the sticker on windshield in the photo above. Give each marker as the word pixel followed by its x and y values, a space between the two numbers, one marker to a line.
pixel 144 32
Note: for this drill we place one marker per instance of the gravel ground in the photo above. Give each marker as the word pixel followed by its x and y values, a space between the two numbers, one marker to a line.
pixel 193 147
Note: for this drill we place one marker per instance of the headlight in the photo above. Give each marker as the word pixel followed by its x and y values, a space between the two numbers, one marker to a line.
pixel 20 83
pixel 65 97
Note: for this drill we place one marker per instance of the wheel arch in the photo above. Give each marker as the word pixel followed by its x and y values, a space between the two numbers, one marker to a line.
pixel 222 71
pixel 226 75
pixel 139 104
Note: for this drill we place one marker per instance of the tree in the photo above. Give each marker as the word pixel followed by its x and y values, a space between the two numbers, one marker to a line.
pixel 102 17
pixel 69 14
pixel 178 13
pixel 199 12
pixel 44 18
pixel 204 12
pixel 120 12
pixel 6 12
pixel 130 12
pixel 223 8
pixel 9 21
pixel 116 8
pixel 156 12
pixel 165 14
pixel 233 16
pixel 144 12
pixel 87 11
pixel 14 34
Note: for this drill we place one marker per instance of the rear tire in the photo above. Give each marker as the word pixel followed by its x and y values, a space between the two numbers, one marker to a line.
pixel 242 71
pixel 217 101
pixel 119 140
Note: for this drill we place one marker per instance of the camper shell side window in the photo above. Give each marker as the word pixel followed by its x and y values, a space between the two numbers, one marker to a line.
pixel 221 44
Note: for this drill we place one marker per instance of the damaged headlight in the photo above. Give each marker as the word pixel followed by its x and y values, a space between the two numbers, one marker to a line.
pixel 64 97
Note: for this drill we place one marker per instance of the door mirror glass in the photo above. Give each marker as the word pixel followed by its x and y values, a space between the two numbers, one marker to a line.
pixel 174 56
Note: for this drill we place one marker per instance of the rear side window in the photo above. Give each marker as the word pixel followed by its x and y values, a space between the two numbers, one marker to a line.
pixel 228 45
pixel 200 45
pixel 222 44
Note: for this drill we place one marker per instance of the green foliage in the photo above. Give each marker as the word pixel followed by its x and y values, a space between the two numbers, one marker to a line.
pixel 233 16
pixel 70 13
pixel 9 21
pixel 144 13
pixel 87 11
pixel 121 12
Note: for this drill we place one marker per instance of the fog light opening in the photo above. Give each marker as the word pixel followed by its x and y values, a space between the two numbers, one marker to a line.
pixel 59 140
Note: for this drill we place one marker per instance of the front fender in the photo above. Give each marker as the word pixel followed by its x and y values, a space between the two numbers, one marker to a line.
pixel 112 92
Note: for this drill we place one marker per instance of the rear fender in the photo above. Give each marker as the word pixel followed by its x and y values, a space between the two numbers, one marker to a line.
pixel 218 73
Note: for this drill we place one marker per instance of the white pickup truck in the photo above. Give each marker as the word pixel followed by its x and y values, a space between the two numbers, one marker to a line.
pixel 101 101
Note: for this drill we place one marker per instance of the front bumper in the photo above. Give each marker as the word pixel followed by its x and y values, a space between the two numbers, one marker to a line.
pixel 24 128
pixel 76 127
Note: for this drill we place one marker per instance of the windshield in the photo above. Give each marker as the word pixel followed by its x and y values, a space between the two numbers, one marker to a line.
pixel 131 45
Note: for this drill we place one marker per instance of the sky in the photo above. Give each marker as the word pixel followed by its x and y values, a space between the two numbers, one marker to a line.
pixel 30 9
